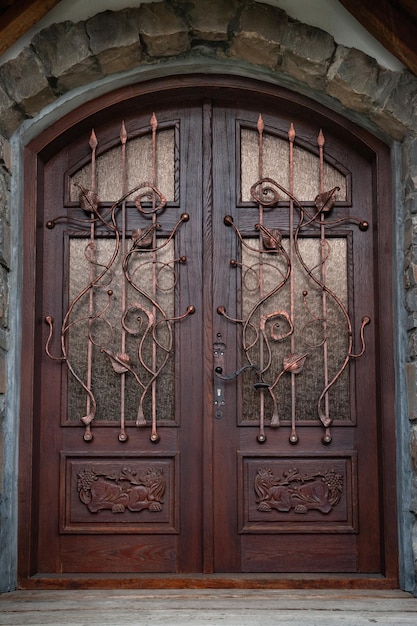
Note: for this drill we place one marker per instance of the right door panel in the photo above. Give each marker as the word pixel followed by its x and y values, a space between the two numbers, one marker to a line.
pixel 295 419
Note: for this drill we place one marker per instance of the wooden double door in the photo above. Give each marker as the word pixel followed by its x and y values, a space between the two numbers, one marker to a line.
pixel 207 337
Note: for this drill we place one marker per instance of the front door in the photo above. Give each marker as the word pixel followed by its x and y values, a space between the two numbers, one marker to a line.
pixel 206 380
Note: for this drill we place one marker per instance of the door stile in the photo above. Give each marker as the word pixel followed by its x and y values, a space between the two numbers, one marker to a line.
pixel 191 404
pixel 386 374
pixel 208 338
pixel 28 462
pixel 225 281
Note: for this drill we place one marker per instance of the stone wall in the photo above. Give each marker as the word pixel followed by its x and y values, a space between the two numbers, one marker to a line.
pixel 246 38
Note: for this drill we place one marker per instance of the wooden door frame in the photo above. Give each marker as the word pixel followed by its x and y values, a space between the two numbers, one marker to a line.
pixel 36 153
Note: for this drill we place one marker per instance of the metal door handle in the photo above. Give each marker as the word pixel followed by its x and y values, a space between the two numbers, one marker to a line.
pixel 218 383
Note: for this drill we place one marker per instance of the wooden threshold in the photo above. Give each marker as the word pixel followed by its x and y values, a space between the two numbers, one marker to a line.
pixel 209 581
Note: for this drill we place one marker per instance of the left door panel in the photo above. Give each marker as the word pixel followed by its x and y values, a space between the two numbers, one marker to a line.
pixel 119 233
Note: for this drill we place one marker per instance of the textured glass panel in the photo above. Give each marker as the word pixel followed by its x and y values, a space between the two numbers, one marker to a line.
pixel 139 168
pixel 260 277
pixel 107 335
pixel 276 166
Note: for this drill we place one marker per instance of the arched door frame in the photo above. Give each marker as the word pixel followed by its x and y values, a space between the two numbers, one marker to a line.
pixel 56 135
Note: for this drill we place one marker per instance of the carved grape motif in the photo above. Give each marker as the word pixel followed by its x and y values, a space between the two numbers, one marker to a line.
pixel 121 490
pixel 298 492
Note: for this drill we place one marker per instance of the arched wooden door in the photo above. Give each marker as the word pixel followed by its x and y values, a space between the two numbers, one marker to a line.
pixel 211 387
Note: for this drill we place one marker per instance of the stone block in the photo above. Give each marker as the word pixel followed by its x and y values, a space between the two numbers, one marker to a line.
pixel 5 154
pixel 4 298
pixel 410 204
pixel 411 380
pixel 5 245
pixel 212 24
pixel 390 111
pixel 4 312
pixel 4 339
pixel 408 232
pixel 412 345
pixel 5 239
pixel 65 53
pixel 401 99
pixel 410 275
pixel 24 80
pixel 411 299
pixel 409 156
pixel 10 116
pixel 412 321
pixel 307 53
pixel 409 185
pixel 352 77
pixel 259 34
pixel 114 39
pixel 413 447
pixel 163 32
pixel 413 498
pixel 3 371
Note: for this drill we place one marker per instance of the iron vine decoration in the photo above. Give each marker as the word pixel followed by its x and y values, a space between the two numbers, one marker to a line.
pixel 267 193
pixel 153 317
pixel 150 313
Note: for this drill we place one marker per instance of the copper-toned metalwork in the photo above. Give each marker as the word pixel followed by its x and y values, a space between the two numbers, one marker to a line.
pixel 265 324
pixel 137 266
pixel 122 355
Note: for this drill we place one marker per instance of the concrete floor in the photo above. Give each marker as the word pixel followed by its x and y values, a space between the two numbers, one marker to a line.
pixel 215 607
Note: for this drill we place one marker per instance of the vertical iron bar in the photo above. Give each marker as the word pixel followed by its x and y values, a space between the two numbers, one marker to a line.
pixel 154 124
pixel 122 434
pixel 93 145
pixel 261 436
pixel 291 137
pixel 320 142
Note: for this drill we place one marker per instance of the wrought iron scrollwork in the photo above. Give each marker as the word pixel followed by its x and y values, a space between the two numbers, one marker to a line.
pixel 142 316
pixel 264 325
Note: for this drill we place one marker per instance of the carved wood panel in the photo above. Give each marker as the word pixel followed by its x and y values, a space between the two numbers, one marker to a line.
pixel 298 493
pixel 124 495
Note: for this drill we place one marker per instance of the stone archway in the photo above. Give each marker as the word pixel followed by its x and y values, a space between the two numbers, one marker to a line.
pixel 70 62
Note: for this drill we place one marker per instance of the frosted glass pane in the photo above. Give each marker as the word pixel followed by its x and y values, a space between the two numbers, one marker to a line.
pixel 308 328
pixel 106 331
pixel 276 166
pixel 139 168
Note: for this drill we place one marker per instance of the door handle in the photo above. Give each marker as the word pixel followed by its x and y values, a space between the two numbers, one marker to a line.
pixel 219 349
